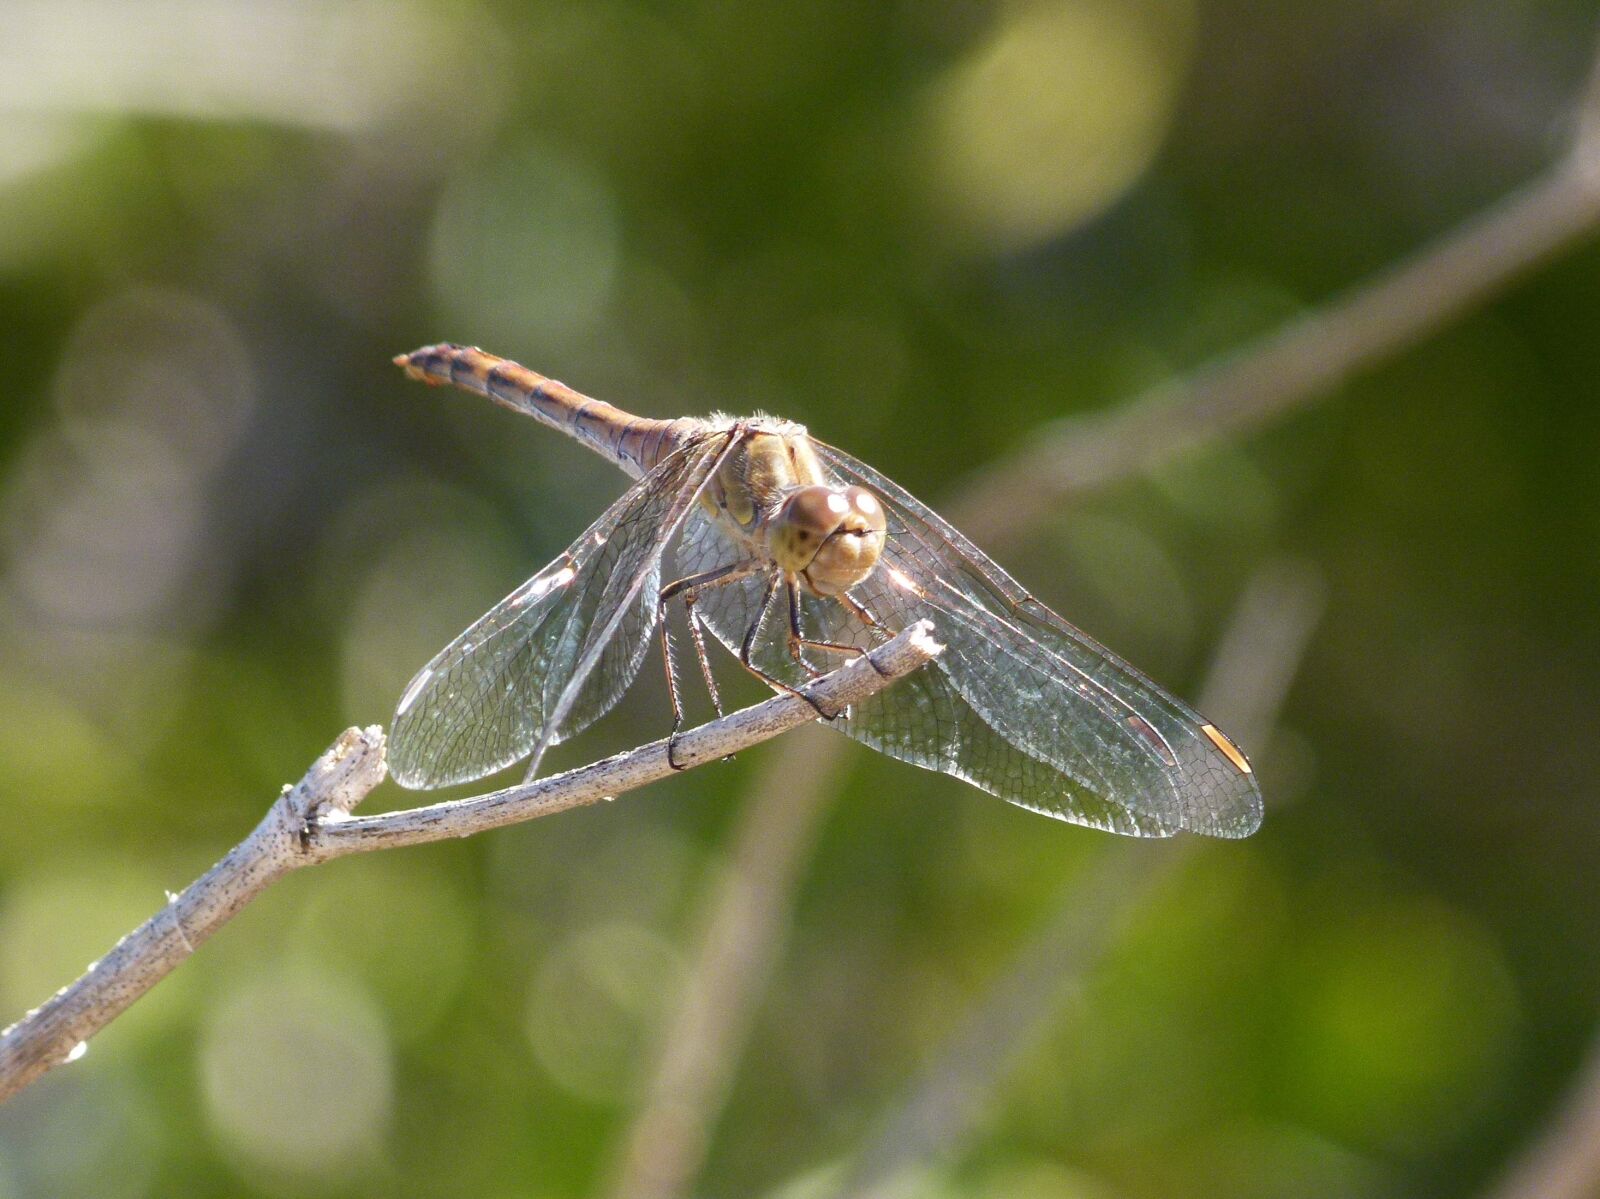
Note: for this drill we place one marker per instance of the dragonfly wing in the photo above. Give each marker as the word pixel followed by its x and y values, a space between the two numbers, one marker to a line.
pixel 1098 736
pixel 556 653
pixel 922 719
pixel 728 608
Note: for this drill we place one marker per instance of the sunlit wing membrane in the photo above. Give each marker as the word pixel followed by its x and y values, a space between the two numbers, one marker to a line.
pixel 923 719
pixel 932 725
pixel 556 653
pixel 1100 735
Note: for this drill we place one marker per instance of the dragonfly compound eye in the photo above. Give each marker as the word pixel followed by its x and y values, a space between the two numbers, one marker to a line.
pixel 832 535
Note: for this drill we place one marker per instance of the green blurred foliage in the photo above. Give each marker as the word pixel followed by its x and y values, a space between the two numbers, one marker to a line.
pixel 228 528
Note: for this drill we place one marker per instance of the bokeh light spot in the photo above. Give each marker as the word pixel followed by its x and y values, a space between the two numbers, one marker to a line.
pixel 1403 1020
pixel 166 362
pixel 341 66
pixel 595 1004
pixel 395 625
pixel 417 933
pixel 104 515
pixel 101 528
pixel 297 1076
pixel 84 1133
pixel 524 248
pixel 1052 118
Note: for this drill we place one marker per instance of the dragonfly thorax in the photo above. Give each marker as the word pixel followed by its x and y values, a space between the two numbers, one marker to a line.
pixel 773 496
pixel 830 536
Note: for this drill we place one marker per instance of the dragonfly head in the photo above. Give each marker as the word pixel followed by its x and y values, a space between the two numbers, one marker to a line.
pixel 832 535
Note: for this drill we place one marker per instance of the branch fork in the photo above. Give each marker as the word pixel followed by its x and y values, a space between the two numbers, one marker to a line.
pixel 311 822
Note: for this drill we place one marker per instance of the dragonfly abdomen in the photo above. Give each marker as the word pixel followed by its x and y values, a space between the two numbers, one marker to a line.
pixel 637 444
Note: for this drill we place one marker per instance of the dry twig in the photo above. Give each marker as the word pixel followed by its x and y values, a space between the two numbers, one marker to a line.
pixel 310 823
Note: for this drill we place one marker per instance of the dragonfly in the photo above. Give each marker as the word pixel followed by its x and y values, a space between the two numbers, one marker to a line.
pixel 797 556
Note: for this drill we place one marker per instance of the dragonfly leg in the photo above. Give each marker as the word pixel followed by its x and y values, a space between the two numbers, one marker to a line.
pixel 698 636
pixel 797 639
pixel 731 573
pixel 864 614
pixel 672 691
pixel 748 647
pixel 689 587
pixel 799 642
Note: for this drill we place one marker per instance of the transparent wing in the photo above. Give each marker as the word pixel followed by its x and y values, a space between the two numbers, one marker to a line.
pixel 1101 737
pixel 729 609
pixel 923 719
pixel 932 725
pixel 1020 704
pixel 556 653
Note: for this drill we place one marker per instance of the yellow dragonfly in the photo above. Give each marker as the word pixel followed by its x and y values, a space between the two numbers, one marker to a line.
pixel 729 514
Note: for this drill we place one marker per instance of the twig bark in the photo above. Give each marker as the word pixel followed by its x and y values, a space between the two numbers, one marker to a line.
pixel 1286 370
pixel 310 823
pixel 51 1034
pixel 850 684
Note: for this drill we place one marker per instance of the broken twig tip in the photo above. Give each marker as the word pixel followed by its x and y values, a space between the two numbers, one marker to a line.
pixel 923 640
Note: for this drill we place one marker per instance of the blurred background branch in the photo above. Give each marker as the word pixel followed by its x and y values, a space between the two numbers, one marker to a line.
pixel 1250 675
pixel 749 907
pixel 929 231
pixel 1298 364
pixel 1564 1161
